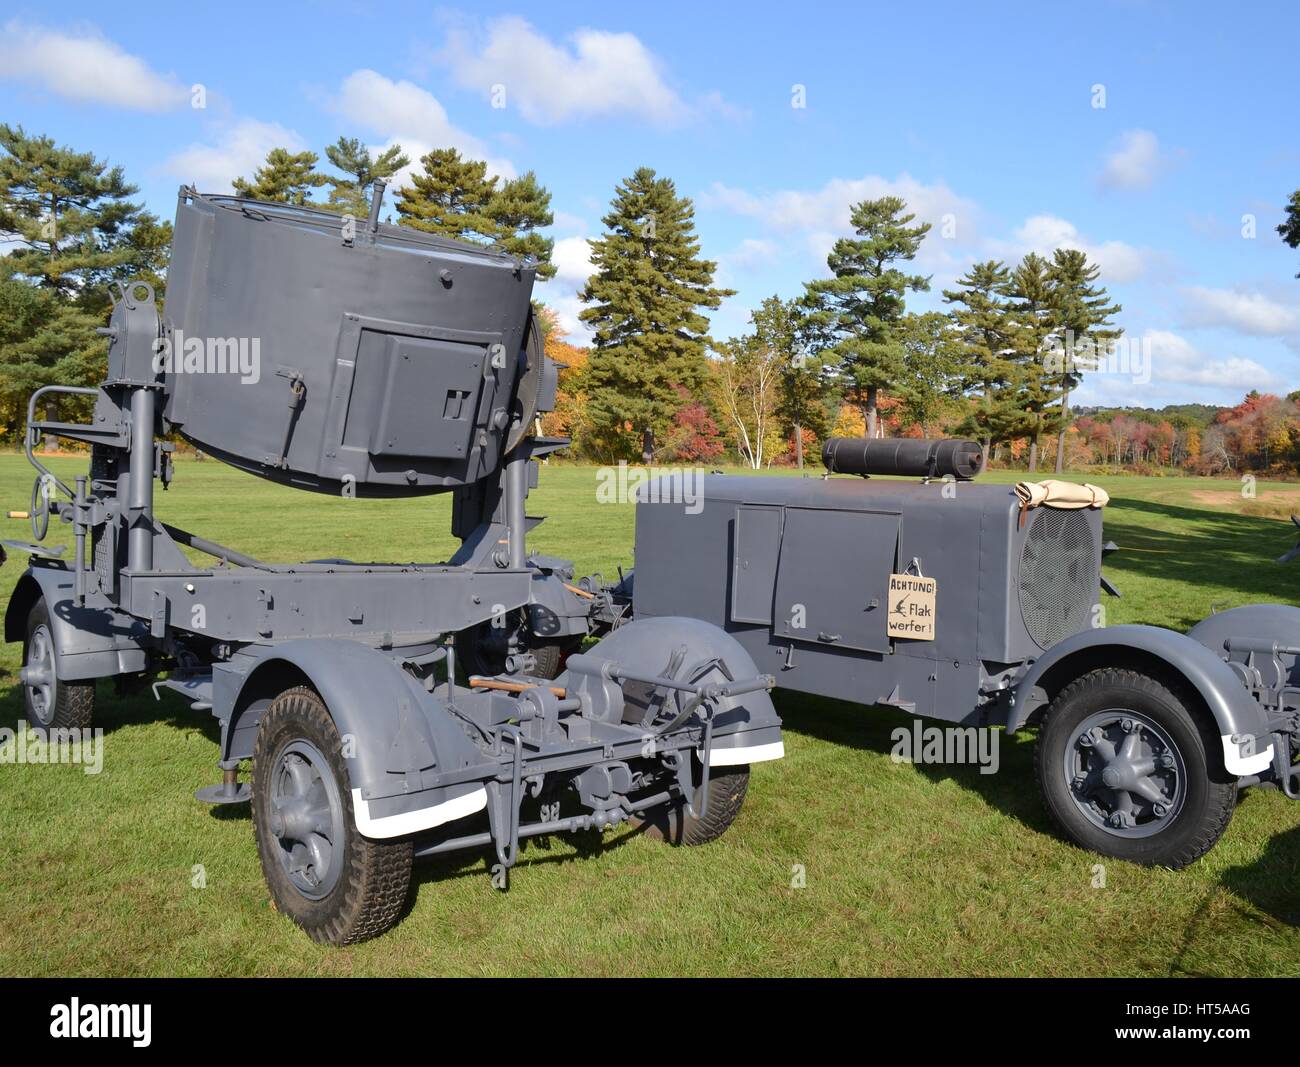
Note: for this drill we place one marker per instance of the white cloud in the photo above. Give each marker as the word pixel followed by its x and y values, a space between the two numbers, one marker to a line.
pixel 573 266
pixel 820 216
pixel 402 112
pixel 565 222
pixel 1162 367
pixel 1249 312
pixel 753 253
pixel 239 150
pixel 1135 163
pixel 1119 262
pixel 593 73
pixel 84 66
pixel 1176 361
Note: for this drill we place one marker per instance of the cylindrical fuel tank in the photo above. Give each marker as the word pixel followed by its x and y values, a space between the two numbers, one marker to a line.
pixel 306 347
pixel 910 456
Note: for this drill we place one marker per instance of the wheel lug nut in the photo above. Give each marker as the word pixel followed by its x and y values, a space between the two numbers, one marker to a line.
pixel 1127 726
pixel 1160 811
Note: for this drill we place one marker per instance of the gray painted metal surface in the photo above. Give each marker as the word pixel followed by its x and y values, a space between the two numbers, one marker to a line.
pixel 797 570
pixel 388 359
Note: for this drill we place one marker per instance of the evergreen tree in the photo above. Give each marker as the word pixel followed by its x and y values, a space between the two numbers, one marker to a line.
pixel 72 220
pixel 1290 226
pixel 351 195
pixel 989 346
pixel 518 209
pixel 1031 294
pixel 285 178
pixel 456 197
pixel 450 196
pixel 854 315
pixel 644 306
pixel 1081 313
pixel 74 229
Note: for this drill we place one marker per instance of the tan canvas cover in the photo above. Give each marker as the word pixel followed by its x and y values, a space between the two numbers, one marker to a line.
pixel 1058 494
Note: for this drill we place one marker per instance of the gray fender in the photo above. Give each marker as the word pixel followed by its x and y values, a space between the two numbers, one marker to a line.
pixel 91 641
pixel 1240 722
pixel 400 743
pixel 1271 622
pixel 746 728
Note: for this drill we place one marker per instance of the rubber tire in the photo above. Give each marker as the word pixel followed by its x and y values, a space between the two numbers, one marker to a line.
pixel 1211 791
pixel 74 702
pixel 376 877
pixel 672 822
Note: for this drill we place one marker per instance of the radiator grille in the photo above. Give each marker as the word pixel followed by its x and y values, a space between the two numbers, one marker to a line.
pixel 1058 576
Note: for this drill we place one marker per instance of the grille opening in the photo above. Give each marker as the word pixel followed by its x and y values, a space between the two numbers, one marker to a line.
pixel 1057 575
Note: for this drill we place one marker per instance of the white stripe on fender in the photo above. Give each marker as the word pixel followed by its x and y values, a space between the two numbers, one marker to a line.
pixel 1235 763
pixel 410 822
pixel 731 757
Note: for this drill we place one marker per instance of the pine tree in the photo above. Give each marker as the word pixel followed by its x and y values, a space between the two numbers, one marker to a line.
pixel 1081 313
pixel 1030 290
pixel 285 178
pixel 644 306
pixel 518 209
pixel 351 195
pixel 450 196
pixel 74 229
pixel 1289 228
pixel 456 197
pixel 989 342
pixel 854 315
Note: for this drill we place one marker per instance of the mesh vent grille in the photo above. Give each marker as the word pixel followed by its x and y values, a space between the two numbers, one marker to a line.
pixel 1057 575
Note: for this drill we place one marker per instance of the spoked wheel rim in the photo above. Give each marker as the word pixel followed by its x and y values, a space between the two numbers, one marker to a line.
pixel 1125 773
pixel 306 819
pixel 39 677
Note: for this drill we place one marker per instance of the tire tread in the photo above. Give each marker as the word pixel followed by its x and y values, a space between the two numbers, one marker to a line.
pixel 1222 797
pixel 377 878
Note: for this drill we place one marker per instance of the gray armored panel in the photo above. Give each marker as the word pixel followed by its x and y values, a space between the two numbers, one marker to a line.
pixel 797 569
pixel 322 354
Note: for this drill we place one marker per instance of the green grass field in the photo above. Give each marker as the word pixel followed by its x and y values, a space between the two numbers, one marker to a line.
pixel 909 870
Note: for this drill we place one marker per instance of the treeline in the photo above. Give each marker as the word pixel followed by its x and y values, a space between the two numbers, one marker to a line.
pixel 1261 435
pixel 846 356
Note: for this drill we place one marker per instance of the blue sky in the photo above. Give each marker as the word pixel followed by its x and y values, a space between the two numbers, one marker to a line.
pixel 985 118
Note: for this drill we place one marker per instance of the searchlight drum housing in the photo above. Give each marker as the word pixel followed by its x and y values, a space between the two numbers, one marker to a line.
pixel 328 352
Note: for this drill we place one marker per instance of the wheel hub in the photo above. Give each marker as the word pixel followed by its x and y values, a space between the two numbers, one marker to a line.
pixel 1127 775
pixel 305 816
pixel 38 674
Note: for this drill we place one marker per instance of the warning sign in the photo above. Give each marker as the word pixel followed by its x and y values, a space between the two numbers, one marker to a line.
pixel 911 607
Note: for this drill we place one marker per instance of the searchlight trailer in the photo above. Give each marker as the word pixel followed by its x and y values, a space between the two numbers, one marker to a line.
pixel 388 363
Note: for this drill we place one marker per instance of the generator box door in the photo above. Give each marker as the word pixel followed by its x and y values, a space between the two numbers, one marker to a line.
pixel 833 577
pixel 755 551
